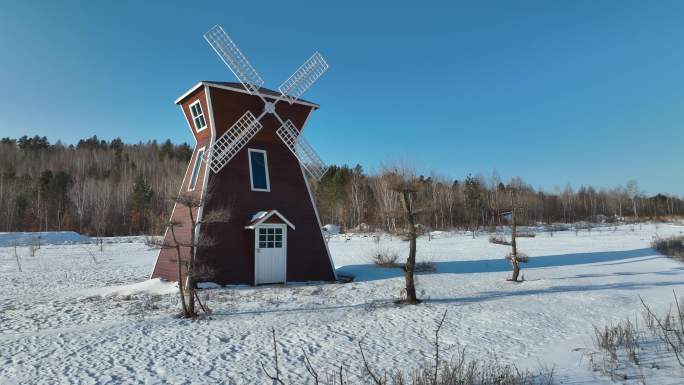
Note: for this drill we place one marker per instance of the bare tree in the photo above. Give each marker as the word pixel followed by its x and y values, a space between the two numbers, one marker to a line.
pixel 189 269
pixel 633 193
pixel 515 257
pixel 407 188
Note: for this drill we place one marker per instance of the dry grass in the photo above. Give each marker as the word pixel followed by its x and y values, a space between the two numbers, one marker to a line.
pixel 624 349
pixel 425 267
pixel 499 240
pixel 672 246
pixel 386 259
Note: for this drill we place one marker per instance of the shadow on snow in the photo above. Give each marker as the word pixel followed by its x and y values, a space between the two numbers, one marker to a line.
pixel 370 272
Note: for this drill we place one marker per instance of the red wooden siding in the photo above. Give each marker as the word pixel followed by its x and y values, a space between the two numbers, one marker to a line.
pixel 166 261
pixel 231 260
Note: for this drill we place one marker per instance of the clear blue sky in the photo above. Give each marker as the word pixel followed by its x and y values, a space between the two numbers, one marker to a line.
pixel 556 92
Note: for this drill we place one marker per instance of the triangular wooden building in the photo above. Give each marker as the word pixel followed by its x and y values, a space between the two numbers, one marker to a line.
pixel 249 151
pixel 274 233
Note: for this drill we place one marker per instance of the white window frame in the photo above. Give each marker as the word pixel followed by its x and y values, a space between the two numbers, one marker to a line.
pixel 200 155
pixel 251 175
pixel 201 114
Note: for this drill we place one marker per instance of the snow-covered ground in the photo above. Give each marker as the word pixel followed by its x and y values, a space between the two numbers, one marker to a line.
pixel 77 315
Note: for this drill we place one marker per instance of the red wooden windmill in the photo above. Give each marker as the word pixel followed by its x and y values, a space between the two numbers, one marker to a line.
pixel 251 152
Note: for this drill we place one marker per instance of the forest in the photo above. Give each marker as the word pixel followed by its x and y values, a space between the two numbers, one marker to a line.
pixel 108 188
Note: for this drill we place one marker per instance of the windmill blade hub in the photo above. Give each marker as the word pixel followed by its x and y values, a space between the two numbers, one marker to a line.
pixel 269 107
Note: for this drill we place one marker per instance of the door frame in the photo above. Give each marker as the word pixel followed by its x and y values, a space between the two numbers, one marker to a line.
pixel 256 247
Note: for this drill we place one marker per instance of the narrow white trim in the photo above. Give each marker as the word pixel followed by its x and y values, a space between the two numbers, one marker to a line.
pixel 196 165
pixel 200 210
pixel 207 92
pixel 185 95
pixel 200 115
pixel 240 90
pixel 180 190
pixel 313 204
pixel 268 96
pixel 268 177
pixel 265 217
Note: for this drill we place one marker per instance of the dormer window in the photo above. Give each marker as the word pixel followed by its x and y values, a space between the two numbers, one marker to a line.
pixel 198 116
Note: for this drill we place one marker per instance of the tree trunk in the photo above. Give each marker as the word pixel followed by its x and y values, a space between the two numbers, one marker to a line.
pixel 409 271
pixel 516 269
pixel 634 208
pixel 179 264
pixel 409 267
pixel 515 262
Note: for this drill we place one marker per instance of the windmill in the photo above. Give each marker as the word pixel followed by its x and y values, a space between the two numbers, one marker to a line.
pixel 252 156
pixel 248 125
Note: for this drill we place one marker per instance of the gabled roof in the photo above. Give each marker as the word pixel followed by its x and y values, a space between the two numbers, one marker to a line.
pixel 263 216
pixel 233 86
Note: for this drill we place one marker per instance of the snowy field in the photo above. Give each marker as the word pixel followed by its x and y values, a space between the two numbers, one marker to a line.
pixel 75 315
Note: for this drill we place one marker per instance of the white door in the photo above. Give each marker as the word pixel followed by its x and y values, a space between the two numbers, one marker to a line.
pixel 270 253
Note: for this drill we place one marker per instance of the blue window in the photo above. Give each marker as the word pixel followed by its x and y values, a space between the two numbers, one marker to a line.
pixel 196 169
pixel 258 170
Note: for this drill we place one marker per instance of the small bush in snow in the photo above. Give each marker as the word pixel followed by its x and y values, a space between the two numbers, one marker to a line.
pixel 386 259
pixel 426 267
pixel 525 235
pixel 499 240
pixel 672 246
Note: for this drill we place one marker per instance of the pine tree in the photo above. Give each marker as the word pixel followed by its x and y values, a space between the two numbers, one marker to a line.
pixel 141 199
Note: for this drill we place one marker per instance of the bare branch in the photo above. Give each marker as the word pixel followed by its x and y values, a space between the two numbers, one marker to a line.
pixel 309 367
pixel 374 377
pixel 221 215
pixel 275 377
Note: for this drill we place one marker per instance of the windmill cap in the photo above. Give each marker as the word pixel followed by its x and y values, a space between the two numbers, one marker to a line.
pixel 235 86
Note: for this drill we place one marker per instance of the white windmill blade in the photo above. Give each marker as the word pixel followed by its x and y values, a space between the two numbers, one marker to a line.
pixel 234 59
pixel 302 150
pixel 305 76
pixel 225 148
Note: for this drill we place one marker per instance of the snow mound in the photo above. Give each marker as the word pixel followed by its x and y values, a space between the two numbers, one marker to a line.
pixel 42 238
pixel 152 286
pixel 208 285
pixel 331 229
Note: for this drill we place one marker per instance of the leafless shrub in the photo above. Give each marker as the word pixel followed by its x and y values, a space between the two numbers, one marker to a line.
pixel 499 240
pixel 526 234
pixel 669 328
pixel 17 257
pixel 623 335
pixel 92 255
pixel 386 259
pixel 672 246
pixel 618 345
pixel 426 267
pixel 33 246
pixel 191 269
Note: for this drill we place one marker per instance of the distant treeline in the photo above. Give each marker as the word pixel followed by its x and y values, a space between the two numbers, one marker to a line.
pixel 111 188
pixel 94 187
pixel 350 197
